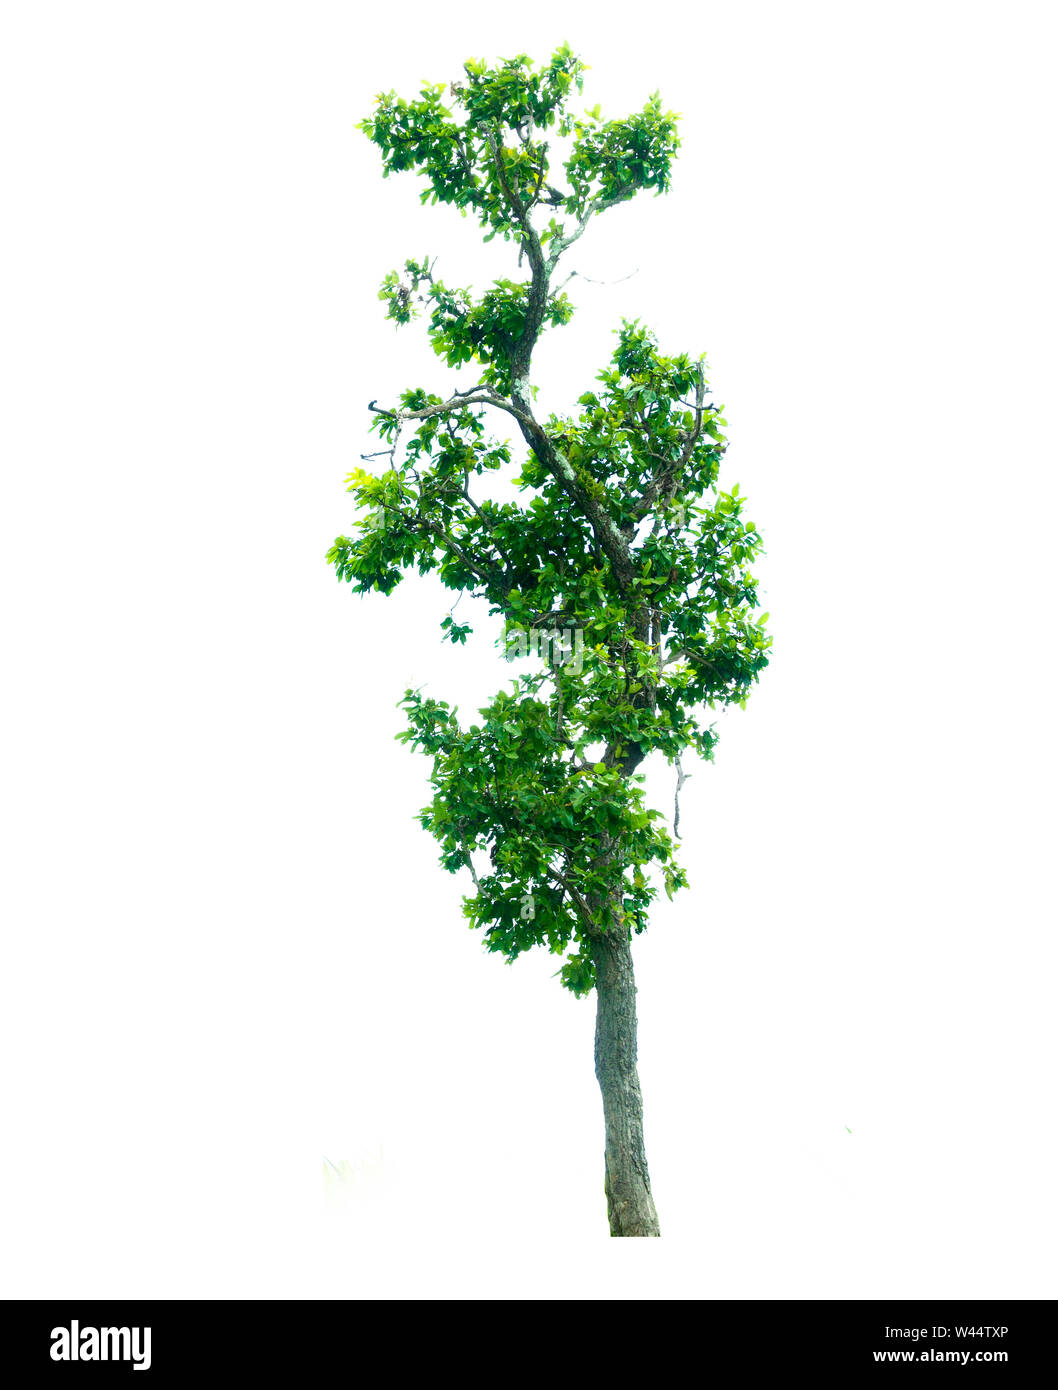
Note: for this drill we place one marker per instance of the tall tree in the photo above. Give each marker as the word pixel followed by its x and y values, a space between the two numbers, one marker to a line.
pixel 613 555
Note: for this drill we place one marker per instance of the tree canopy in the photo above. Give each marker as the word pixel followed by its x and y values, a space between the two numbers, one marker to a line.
pixel 614 525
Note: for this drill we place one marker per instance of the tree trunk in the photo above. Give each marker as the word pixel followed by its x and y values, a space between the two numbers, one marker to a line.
pixel 628 1200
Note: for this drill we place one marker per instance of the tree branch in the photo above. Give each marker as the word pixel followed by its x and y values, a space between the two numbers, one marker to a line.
pixel 576 897
pixel 662 483
pixel 599 205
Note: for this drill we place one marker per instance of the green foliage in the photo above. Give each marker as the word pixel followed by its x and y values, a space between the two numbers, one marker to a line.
pixel 462 330
pixel 514 106
pixel 506 785
pixel 615 525
pixel 614 159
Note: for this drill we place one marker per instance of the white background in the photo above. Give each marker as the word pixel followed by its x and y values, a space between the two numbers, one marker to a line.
pixel 228 949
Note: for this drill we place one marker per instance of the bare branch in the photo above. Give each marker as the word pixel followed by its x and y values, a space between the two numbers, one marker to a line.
pixel 475 396
pixel 562 244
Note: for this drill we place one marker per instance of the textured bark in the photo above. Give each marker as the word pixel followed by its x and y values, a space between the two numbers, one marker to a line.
pixel 629 1204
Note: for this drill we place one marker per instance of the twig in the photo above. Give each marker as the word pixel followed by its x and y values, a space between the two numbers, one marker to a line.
pixel 681 777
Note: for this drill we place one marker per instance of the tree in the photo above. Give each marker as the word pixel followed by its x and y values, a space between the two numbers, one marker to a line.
pixel 613 555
